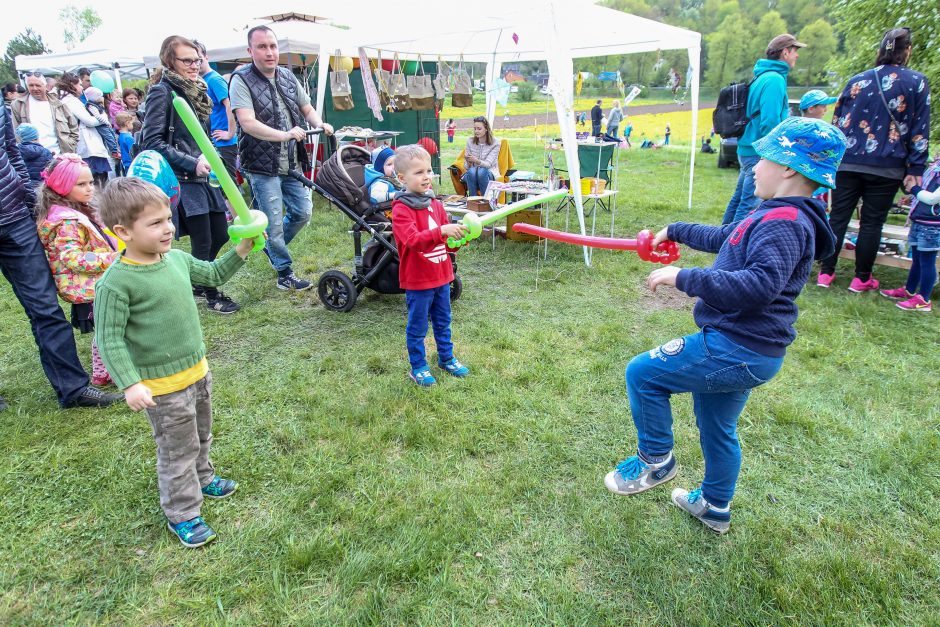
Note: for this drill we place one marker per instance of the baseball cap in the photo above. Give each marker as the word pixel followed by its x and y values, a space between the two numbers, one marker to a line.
pixel 810 146
pixel 815 97
pixel 781 42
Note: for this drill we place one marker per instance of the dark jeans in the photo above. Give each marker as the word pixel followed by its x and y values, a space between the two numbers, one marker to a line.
pixel 422 305
pixel 877 194
pixel 595 129
pixel 25 266
pixel 207 235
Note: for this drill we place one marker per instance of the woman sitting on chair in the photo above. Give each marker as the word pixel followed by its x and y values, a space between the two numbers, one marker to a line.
pixel 481 157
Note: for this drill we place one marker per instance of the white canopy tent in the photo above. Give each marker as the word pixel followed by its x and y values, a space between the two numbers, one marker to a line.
pixel 555 31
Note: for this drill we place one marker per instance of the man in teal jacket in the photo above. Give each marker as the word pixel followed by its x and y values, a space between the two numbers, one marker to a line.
pixel 766 108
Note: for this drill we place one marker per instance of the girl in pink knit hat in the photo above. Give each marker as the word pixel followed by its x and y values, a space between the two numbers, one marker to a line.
pixel 77 245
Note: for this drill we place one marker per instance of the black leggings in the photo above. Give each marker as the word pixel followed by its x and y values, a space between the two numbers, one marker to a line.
pixel 877 193
pixel 207 234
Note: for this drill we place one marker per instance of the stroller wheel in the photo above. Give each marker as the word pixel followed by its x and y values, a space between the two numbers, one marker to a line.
pixel 456 288
pixel 337 291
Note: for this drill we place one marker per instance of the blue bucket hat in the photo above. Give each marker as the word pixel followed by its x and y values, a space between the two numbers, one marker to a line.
pixel 811 147
pixel 815 97
pixel 26 132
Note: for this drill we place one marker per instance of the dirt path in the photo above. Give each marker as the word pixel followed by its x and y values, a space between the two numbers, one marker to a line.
pixel 531 119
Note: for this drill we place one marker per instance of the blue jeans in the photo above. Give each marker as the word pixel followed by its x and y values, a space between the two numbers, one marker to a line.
pixel 743 200
pixel 720 374
pixel 666 141
pixel 424 304
pixel 272 193
pixel 24 264
pixel 476 179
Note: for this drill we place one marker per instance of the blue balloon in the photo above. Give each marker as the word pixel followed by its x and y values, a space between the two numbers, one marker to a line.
pixel 150 166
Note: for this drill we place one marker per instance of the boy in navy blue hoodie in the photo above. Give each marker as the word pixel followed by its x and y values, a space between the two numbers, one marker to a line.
pixel 746 310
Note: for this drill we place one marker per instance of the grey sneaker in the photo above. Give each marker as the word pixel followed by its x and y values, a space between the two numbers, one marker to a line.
pixel 694 503
pixel 633 475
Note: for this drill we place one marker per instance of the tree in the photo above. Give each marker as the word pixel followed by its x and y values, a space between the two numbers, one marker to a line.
pixel 770 25
pixel 27 42
pixel 526 91
pixel 820 46
pixel 729 51
pixel 79 24
pixel 861 24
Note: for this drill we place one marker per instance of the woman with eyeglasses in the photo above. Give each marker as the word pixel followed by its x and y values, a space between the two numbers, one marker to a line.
pixel 201 210
pixel 482 158
pixel 885 115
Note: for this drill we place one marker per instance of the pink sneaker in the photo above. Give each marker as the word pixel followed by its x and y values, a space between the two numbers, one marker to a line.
pixel 858 286
pixel 914 303
pixel 825 280
pixel 898 293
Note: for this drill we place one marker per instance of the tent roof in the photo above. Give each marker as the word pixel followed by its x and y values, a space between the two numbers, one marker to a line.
pixel 298 41
pixel 591 30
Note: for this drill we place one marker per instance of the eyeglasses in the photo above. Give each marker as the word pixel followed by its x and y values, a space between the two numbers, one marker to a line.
pixel 190 62
pixel 36 74
pixel 479 119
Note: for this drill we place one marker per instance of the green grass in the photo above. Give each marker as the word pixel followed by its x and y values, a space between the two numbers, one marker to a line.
pixel 542 105
pixel 366 500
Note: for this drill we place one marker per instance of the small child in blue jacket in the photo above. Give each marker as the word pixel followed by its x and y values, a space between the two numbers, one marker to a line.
pixel 35 155
pixel 746 311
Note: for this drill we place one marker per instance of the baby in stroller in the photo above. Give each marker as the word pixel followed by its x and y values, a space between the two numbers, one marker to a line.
pixel 380 177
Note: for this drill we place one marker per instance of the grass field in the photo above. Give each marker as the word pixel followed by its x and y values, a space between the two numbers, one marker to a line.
pixel 364 500
pixel 541 104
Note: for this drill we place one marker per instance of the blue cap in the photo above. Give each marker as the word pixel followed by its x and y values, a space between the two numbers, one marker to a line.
pixel 26 132
pixel 811 147
pixel 815 97
pixel 380 156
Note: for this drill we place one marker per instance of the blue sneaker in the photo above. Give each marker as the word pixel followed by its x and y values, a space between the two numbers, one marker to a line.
pixel 423 377
pixel 633 475
pixel 695 504
pixel 454 367
pixel 193 533
pixel 220 488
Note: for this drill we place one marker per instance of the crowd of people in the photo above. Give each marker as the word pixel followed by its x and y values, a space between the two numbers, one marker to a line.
pixel 64 217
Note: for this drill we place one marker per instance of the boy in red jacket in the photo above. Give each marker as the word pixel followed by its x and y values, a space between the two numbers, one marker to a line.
pixel 421 228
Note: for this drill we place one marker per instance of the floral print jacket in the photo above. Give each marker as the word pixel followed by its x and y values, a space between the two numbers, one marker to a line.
pixel 872 137
pixel 78 252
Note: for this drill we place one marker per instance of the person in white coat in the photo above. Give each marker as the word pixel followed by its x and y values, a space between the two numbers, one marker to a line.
pixel 91 147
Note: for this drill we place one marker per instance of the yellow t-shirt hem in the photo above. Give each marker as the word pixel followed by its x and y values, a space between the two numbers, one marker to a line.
pixel 179 381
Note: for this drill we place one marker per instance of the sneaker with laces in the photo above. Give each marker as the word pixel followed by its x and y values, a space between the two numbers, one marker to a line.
pixel 633 475
pixel 221 304
pixel 858 286
pixel 93 397
pixel 898 293
pixel 423 377
pixel 695 504
pixel 291 281
pixel 915 303
pixel 825 280
pixel 192 533
pixel 219 488
pixel 454 367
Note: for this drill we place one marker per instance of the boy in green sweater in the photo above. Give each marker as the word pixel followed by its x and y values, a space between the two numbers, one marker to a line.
pixel 150 339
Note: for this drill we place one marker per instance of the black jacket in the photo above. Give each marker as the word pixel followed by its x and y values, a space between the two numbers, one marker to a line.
pixel 36 157
pixel 16 193
pixel 597 114
pixel 165 132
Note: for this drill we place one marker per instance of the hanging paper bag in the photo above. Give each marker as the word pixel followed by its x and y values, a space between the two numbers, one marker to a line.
pixel 341 90
pixel 462 91
pixel 383 79
pixel 420 89
pixel 401 100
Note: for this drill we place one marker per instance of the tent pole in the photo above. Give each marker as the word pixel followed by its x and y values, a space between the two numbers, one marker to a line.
pixel 695 53
pixel 322 78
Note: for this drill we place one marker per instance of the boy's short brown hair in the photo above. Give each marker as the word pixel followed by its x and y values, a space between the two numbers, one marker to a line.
pixel 404 155
pixel 125 198
pixel 122 118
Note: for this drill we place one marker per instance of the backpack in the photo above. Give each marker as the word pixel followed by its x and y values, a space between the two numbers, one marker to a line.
pixel 730 116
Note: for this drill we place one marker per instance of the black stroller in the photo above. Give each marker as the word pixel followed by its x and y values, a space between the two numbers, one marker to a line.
pixel 341 181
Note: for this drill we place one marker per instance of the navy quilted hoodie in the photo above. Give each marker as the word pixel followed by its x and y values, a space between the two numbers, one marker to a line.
pixel 763 262
pixel 16 194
